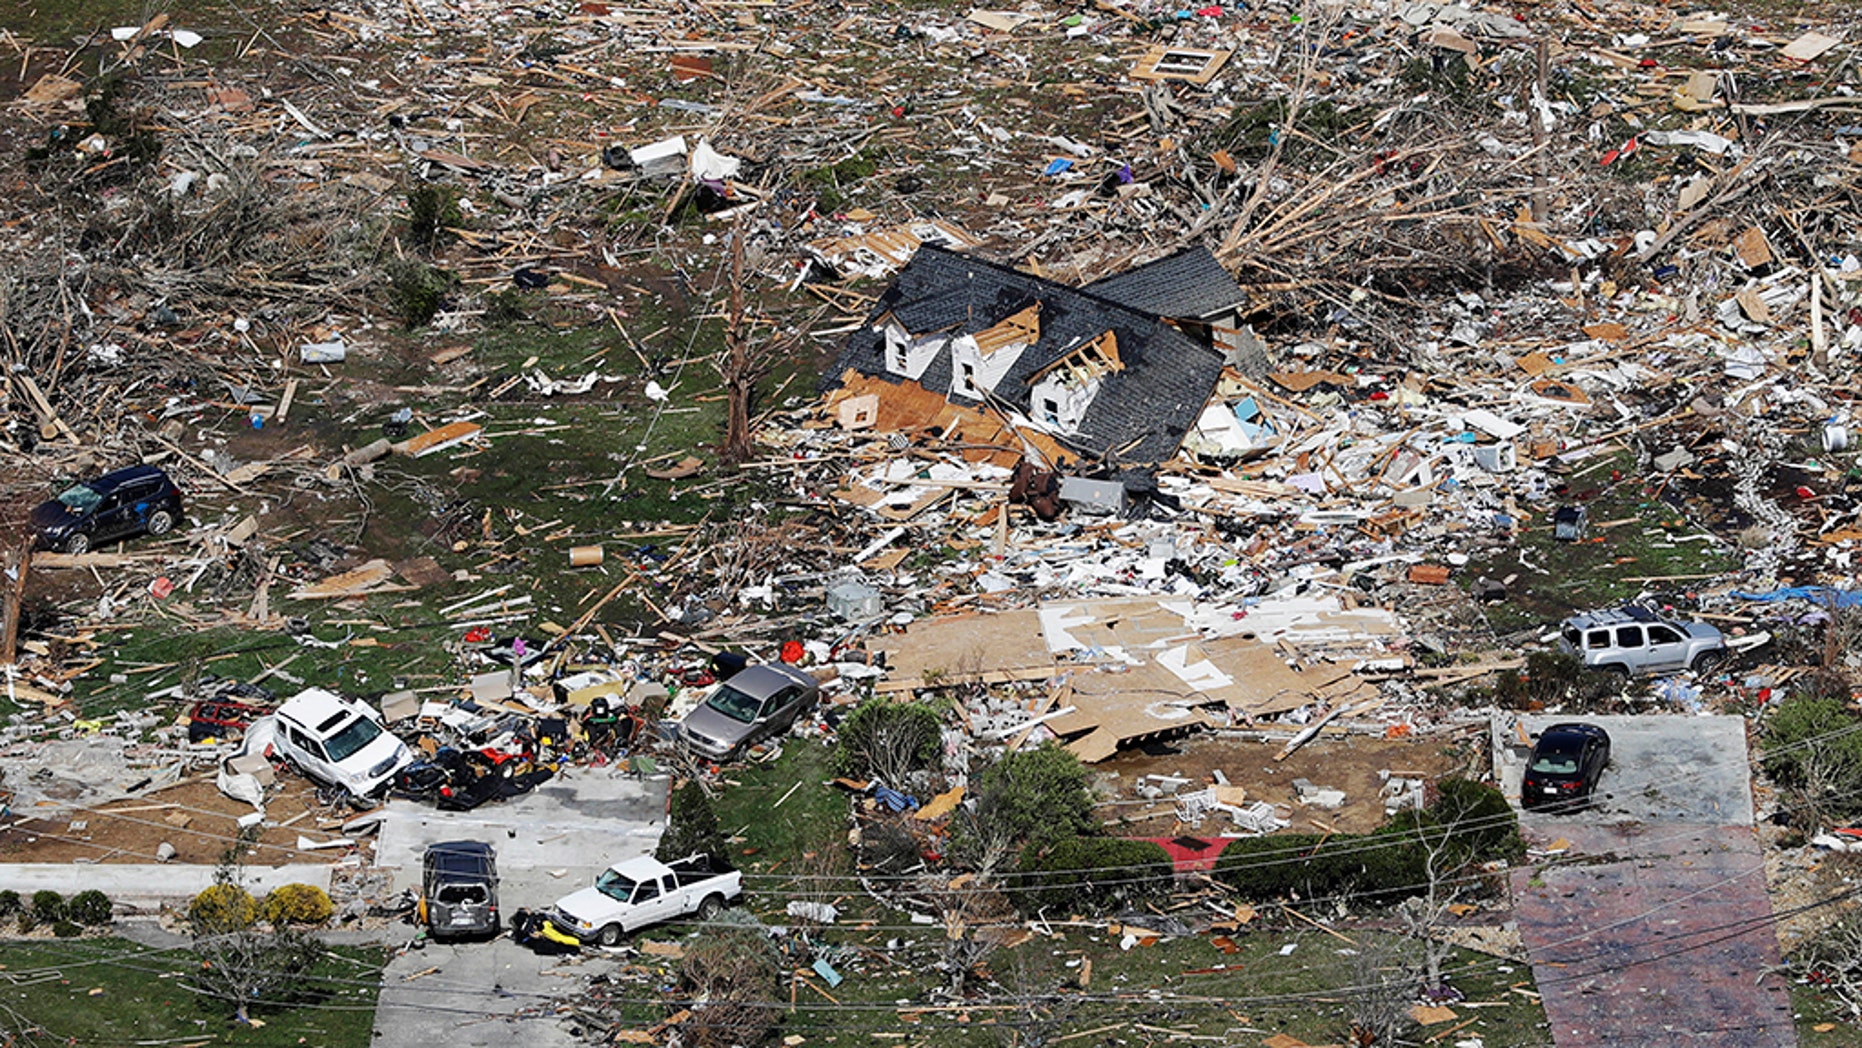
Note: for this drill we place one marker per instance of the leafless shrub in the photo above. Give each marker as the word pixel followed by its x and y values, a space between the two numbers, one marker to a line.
pixel 1832 963
pixel 974 917
pixel 731 974
pixel 1383 980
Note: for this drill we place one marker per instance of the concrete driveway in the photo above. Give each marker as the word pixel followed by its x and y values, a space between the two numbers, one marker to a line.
pixel 579 823
pixel 1662 770
pixel 1655 922
pixel 549 843
pixel 481 994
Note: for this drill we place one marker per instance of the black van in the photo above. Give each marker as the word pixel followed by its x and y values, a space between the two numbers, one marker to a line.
pixel 459 889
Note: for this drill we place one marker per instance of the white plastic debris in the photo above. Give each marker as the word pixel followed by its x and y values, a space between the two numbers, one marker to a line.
pixel 819 912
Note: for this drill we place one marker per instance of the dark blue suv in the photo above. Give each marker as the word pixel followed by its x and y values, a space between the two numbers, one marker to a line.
pixel 116 505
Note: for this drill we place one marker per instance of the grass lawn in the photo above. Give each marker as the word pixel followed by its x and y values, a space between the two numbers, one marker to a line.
pixel 1821 1020
pixel 774 830
pixel 116 992
pixel 1633 536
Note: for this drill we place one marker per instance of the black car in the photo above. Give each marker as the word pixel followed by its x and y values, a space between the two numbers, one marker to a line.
pixel 459 889
pixel 116 505
pixel 1566 763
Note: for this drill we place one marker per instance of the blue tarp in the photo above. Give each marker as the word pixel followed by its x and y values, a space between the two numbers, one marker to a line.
pixel 1823 596
pixel 894 800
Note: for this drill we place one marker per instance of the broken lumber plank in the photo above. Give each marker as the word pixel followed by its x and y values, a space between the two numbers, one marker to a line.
pixel 450 435
pixel 1306 735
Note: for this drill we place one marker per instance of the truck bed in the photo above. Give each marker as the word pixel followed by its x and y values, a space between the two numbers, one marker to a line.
pixel 695 868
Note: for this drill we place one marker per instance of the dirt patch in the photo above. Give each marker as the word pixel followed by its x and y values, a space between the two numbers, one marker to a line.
pixel 1350 763
pixel 1800 877
pixel 131 830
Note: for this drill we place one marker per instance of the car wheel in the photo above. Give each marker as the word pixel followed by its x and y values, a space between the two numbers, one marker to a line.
pixel 711 907
pixel 611 935
pixel 1708 661
pixel 78 543
pixel 161 522
pixel 1616 669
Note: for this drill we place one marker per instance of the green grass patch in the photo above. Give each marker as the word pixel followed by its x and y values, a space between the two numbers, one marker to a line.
pixel 155 656
pixel 54 21
pixel 1631 537
pixel 771 828
pixel 112 991
pixel 1821 1021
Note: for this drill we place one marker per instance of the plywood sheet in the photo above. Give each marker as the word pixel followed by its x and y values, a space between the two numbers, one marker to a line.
pixel 907 407
pixel 1000 646
pixel 371 577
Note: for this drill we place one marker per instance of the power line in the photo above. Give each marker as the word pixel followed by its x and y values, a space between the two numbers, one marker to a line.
pixel 1267 859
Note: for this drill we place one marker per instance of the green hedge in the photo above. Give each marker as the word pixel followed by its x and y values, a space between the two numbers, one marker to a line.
pixel 1467 823
pixel 90 907
pixel 1053 878
pixel 48 906
pixel 691 824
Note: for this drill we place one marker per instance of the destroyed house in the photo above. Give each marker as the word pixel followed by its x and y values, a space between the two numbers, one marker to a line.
pixel 1094 374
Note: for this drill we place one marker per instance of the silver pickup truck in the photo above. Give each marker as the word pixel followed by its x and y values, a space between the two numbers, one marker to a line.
pixel 631 895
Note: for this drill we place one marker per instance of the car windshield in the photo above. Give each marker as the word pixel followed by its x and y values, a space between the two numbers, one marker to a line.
pixel 735 704
pixel 1557 762
pixel 80 498
pixel 615 886
pixel 347 742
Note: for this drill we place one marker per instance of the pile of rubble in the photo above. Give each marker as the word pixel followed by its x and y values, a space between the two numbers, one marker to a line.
pixel 1387 303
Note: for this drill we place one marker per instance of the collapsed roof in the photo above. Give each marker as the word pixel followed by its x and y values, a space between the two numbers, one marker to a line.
pixel 1104 378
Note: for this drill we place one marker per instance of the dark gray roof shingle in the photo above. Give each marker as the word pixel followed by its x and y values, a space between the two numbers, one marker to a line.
pixel 1187 285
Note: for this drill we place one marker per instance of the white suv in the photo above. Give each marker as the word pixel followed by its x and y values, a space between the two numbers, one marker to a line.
pixel 1633 639
pixel 339 742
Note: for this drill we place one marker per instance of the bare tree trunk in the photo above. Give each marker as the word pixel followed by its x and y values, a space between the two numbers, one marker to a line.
pixel 738 376
pixel 18 563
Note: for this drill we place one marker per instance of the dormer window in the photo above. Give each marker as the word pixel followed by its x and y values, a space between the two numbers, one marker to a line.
pixel 981 360
pixel 906 354
pixel 1066 388
pixel 966 381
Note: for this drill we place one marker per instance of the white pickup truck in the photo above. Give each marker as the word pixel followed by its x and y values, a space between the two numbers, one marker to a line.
pixel 631 895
